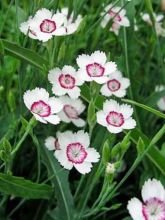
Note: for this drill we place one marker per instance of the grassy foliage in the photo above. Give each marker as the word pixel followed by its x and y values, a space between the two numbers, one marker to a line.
pixel 28 171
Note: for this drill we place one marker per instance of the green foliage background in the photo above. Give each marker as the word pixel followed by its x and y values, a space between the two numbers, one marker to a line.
pixel 32 183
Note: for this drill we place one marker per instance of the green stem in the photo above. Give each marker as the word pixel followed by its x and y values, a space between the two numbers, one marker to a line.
pixel 31 124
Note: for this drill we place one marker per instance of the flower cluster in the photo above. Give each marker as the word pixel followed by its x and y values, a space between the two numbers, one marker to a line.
pixel 153 206
pixel 45 24
pixel 117 16
pixel 72 149
pixel 158 23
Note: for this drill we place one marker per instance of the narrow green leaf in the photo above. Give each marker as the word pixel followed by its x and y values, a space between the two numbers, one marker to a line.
pixel 21 187
pixel 24 54
pixel 64 198
pixel 154 111
pixel 154 153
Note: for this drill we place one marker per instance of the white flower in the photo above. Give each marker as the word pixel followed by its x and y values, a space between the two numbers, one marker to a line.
pixel 116 85
pixel 71 111
pixel 94 67
pixel 25 28
pixel 51 143
pixel 161 102
pixel 158 23
pixel 116 117
pixel 70 25
pixel 43 25
pixel 147 19
pixel 65 81
pixel 42 106
pixel 117 15
pixel 75 151
pixel 153 206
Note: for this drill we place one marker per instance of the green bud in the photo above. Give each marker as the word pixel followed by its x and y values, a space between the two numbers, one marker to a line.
pixel 7 146
pixel 140 146
pixel 106 152
pixel 4 156
pixel 11 101
pixel 91 118
pixel 116 150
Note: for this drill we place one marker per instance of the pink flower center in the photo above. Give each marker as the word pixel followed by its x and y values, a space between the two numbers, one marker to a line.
pixel 67 81
pixel 115 119
pixel 113 85
pixel 57 145
pixel 154 209
pixel 76 153
pixel 41 108
pixel 95 70
pixel 114 15
pixel 47 26
pixel 70 111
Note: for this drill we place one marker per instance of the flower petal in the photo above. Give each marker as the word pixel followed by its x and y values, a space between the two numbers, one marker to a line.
pixel 135 209
pixel 49 143
pixel 83 168
pixel 153 189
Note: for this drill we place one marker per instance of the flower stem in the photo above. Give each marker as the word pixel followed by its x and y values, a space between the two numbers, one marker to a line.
pixel 30 125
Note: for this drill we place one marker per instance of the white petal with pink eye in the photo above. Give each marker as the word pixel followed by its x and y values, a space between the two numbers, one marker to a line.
pixel 99 57
pixel 83 138
pixel 101 118
pixel 83 60
pixel 65 81
pixel 153 206
pixel 118 16
pixel 53 119
pixel 114 118
pixel 110 105
pixel 110 67
pixel 120 93
pixel 74 151
pixel 41 106
pixel 25 28
pixel 126 110
pixel 79 122
pixel 31 96
pixel 135 209
pixel 50 143
pixel 70 25
pixel 113 129
pixel 153 189
pixel 53 75
pixel 69 138
pixel 44 24
pixel 129 124
pixel 71 111
pixel 38 118
pixel 115 85
pixel 83 168
pixel 94 67
pixel 92 155
pixel 56 104
pixel 62 159
pixel 74 93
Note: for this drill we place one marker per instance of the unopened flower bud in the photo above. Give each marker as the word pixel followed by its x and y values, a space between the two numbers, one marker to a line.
pixel 110 168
